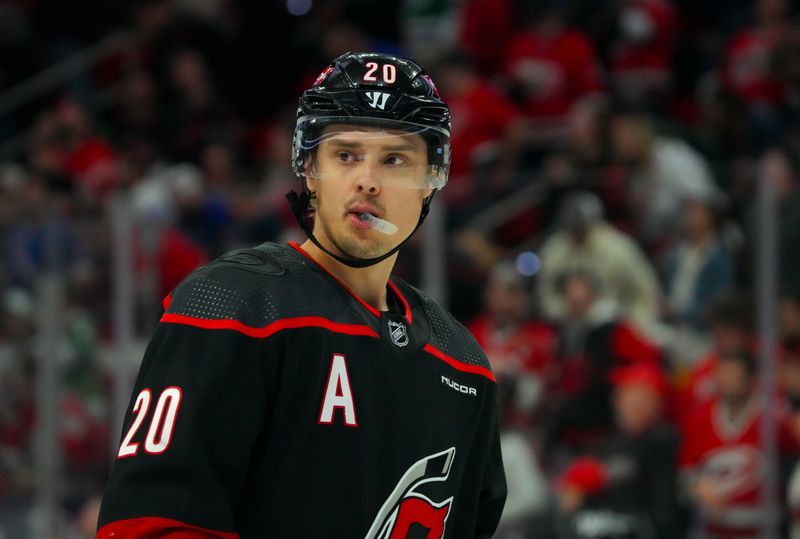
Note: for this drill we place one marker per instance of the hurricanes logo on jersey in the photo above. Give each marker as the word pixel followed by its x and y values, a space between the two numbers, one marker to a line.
pixel 735 469
pixel 407 508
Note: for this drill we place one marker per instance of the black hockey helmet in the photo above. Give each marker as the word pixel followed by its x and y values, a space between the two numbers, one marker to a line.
pixel 374 90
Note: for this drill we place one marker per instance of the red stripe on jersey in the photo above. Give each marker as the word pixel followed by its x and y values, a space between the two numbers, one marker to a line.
pixel 158 528
pixel 402 299
pixel 456 364
pixel 167 301
pixel 272 328
pixel 294 245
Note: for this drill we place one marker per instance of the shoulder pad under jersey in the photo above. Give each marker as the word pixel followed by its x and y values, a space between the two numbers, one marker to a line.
pixel 449 335
pixel 256 287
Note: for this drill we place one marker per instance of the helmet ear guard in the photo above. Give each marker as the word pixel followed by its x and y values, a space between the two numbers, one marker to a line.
pixel 377 91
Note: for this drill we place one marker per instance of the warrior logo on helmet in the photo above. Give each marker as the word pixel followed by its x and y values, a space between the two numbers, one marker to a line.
pixel 407 508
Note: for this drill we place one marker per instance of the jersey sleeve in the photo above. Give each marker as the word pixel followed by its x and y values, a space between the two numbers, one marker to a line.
pixel 199 404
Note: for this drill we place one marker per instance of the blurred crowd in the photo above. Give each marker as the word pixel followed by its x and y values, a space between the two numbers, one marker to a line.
pixel 603 195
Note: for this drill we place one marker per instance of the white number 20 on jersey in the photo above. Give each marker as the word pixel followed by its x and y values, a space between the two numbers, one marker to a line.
pixel 159 434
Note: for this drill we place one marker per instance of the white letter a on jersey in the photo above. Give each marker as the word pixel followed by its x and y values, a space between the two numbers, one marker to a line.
pixel 338 394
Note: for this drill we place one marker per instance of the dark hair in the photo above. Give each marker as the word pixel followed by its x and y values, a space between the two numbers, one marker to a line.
pixel 790 294
pixel 636 109
pixel 456 58
pixel 731 309
pixel 589 277
pixel 743 358
pixel 531 12
pixel 792 156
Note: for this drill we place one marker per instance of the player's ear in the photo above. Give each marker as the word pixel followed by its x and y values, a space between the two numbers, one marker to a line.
pixel 311 180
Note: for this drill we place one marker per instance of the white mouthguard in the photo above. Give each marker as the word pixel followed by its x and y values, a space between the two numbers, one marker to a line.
pixel 379 224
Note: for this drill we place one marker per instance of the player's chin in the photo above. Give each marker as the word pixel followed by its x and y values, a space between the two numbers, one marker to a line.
pixel 366 245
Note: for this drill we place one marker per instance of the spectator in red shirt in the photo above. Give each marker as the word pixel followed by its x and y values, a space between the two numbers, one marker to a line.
pixel 486 26
pixel 730 325
pixel 550 65
pixel 486 129
pixel 722 458
pixel 748 64
pixel 165 250
pixel 520 350
pixel 751 68
pixel 593 341
pixel 178 257
pixel 642 57
pixel 789 334
pixel 66 149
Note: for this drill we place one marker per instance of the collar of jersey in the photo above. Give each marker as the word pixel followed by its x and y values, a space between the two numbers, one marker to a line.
pixel 408 316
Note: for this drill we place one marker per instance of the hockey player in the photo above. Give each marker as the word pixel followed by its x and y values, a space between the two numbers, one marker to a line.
pixel 299 391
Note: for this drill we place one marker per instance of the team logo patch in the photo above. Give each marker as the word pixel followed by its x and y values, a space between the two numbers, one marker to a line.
pixel 398 333
pixel 735 469
pixel 377 100
pixel 407 508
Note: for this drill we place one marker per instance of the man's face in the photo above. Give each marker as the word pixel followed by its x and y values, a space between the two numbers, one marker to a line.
pixel 579 296
pixel 628 137
pixel 637 407
pixel 506 302
pixel 733 380
pixel 360 170
pixel 728 337
pixel 789 318
pixel 698 218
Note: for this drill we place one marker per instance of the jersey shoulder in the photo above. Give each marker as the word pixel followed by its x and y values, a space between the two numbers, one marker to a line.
pixel 447 334
pixel 254 286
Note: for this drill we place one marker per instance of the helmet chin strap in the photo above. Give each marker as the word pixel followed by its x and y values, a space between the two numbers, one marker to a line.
pixel 300 204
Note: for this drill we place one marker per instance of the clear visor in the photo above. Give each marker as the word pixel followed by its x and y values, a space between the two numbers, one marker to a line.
pixel 396 154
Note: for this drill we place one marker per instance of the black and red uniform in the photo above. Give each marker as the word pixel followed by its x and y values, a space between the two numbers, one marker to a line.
pixel 273 402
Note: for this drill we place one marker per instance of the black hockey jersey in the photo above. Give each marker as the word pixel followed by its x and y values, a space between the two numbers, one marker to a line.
pixel 274 403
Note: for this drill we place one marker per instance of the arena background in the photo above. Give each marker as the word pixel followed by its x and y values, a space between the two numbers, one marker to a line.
pixel 623 215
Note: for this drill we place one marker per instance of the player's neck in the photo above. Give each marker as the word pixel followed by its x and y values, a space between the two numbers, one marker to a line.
pixel 737 406
pixel 368 283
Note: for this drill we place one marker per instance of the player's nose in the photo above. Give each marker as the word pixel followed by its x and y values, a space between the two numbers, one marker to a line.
pixel 367 180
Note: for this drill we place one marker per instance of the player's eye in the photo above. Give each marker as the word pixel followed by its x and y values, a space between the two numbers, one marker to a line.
pixel 345 157
pixel 395 160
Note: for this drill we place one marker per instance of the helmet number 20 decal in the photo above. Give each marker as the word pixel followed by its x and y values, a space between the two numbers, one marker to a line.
pixel 388 71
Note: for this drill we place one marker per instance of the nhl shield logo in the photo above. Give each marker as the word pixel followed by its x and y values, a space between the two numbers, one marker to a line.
pixel 398 333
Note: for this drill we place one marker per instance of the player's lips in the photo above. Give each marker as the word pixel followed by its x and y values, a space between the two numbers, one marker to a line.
pixel 358 221
pixel 357 209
